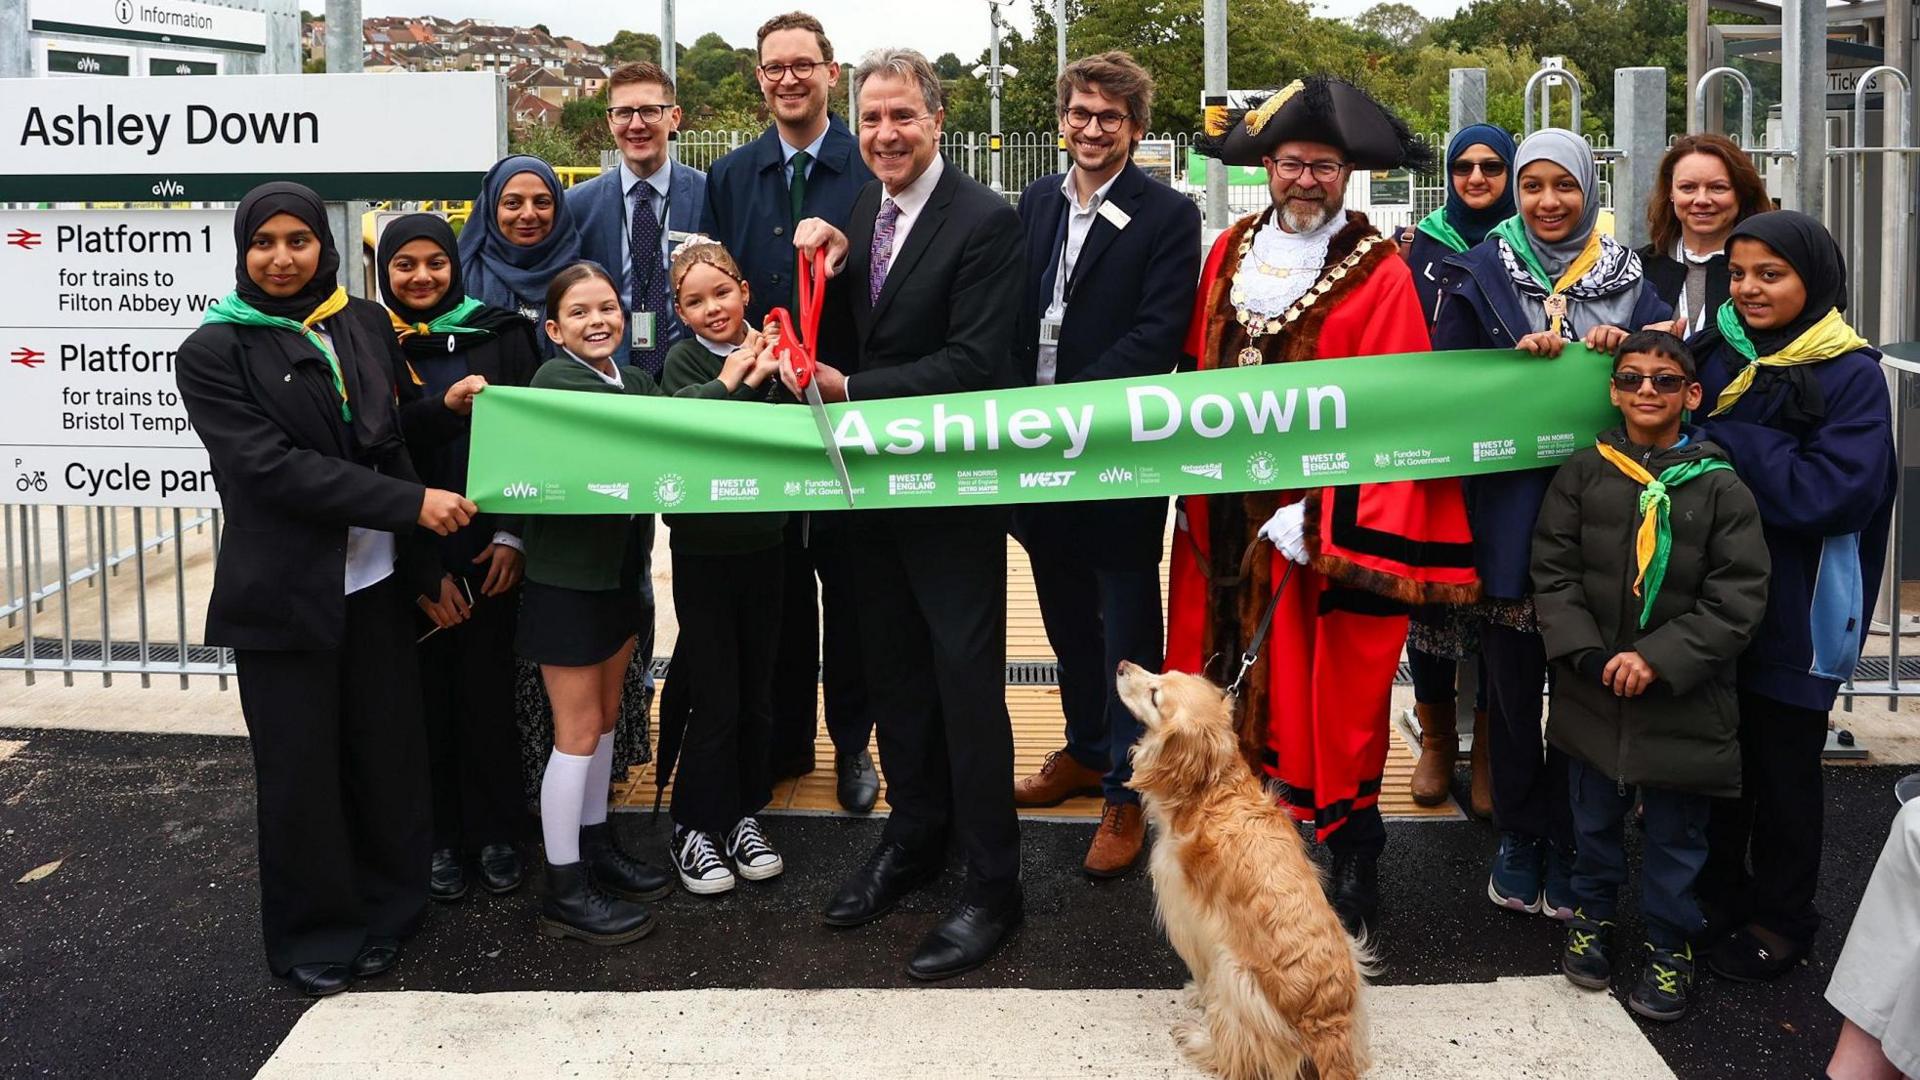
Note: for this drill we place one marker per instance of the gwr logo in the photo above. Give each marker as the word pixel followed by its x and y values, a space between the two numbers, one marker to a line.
pixel 521 491
pixel 1116 475
pixel 1045 479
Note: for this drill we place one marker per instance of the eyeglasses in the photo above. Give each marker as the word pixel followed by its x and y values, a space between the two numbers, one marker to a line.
pixel 1489 168
pixel 1292 168
pixel 1665 382
pixel 648 114
pixel 1110 122
pixel 802 70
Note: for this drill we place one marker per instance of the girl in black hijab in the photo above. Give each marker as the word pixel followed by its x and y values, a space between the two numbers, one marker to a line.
pixel 454 345
pixel 289 384
pixel 1798 401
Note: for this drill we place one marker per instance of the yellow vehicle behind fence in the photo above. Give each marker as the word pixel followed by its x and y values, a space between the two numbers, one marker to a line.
pixel 456 211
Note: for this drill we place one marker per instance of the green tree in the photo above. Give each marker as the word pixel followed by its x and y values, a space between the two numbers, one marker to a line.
pixel 628 46
pixel 549 144
pixel 1393 24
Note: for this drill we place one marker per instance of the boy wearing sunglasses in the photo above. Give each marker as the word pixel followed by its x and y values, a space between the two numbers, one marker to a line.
pixel 1650 575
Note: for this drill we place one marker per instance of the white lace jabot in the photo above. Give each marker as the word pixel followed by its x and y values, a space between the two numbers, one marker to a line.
pixel 1282 266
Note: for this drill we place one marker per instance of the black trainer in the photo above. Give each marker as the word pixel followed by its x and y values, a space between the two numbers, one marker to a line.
pixel 1587 960
pixel 618 872
pixel 702 871
pixel 1664 986
pixel 574 908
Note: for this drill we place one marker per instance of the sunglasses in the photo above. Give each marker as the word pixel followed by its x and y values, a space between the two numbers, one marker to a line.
pixel 1666 383
pixel 1489 169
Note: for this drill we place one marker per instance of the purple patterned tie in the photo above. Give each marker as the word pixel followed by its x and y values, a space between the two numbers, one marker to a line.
pixel 881 254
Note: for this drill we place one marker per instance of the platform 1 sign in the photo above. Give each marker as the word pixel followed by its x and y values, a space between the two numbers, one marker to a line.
pixel 96 307
pixel 208 140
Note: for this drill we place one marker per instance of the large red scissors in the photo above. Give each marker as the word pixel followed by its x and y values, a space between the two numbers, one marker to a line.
pixel 797 349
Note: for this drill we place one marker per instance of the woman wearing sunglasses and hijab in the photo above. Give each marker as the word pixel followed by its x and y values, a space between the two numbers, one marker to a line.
pixel 1541 279
pixel 1800 404
pixel 288 383
pixel 1479 196
pixel 453 342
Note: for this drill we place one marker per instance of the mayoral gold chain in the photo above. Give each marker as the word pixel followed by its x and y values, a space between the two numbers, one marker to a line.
pixel 1258 326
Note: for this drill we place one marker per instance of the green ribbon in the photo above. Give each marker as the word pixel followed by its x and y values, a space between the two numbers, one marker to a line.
pixel 1437 226
pixel 232 309
pixel 1272 427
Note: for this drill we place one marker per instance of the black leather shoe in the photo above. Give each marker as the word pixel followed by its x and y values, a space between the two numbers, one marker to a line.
pixel 319 980
pixel 575 907
pixel 966 939
pixel 1354 888
pixel 618 872
pixel 500 870
pixel 447 880
pixel 376 957
pixel 890 873
pixel 859 785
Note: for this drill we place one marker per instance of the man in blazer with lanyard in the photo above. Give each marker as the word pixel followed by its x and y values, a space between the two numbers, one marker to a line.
pixel 1112 261
pixel 805 165
pixel 643 118
pixel 933 264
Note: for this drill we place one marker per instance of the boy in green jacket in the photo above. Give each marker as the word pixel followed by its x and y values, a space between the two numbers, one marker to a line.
pixel 1649 576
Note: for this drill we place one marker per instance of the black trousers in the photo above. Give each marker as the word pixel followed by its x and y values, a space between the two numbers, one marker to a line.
pixel 473 741
pixel 723 663
pixel 340 767
pixel 933 621
pixel 1763 848
pixel 810 660
pixel 1096 618
pixel 1529 776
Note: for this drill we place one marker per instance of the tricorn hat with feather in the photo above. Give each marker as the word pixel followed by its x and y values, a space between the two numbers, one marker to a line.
pixel 1318 108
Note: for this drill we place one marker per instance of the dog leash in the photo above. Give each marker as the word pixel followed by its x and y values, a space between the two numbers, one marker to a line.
pixel 1248 658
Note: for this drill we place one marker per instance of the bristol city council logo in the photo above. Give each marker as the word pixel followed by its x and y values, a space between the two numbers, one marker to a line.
pixel 670 489
pixel 1260 468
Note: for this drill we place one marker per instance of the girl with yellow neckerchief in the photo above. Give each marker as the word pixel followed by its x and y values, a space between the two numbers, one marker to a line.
pixel 1798 401
pixel 1539 280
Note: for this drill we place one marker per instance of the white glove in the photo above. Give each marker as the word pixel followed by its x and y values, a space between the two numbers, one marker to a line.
pixel 1287 530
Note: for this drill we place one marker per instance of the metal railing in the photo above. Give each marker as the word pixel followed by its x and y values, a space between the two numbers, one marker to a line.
pixel 98 590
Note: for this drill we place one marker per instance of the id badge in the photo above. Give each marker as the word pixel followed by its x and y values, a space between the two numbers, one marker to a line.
pixel 1049 331
pixel 643 327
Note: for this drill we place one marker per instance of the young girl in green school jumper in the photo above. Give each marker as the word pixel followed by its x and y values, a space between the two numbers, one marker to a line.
pixel 578 617
pixel 726 569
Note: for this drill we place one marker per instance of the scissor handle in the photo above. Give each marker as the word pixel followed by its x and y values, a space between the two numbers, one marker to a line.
pixel 798 347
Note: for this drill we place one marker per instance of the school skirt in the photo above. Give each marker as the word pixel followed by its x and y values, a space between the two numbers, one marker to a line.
pixel 573 627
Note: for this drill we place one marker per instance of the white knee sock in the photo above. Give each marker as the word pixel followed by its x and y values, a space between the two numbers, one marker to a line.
pixel 593 801
pixel 561 791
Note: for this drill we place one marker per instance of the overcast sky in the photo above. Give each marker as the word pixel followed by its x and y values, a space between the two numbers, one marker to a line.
pixel 933 26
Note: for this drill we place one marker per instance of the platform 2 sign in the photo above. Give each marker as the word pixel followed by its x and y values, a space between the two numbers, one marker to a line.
pixel 209 140
pixel 96 306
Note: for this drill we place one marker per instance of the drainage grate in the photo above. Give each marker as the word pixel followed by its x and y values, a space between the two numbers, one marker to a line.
pixel 123 652
pixel 1874 669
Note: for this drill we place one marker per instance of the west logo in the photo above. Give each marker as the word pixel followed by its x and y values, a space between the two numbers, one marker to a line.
pixel 1045 479
pixel 520 491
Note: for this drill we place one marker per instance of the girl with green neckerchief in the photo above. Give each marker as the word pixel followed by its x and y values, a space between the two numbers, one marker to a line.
pixel 1800 404
pixel 289 385
pixel 452 344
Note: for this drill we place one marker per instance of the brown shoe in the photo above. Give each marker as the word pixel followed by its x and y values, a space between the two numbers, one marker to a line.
pixel 1439 745
pixel 1060 778
pixel 1482 779
pixel 1116 846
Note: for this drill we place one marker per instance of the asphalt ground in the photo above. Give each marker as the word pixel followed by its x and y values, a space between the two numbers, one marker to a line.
pixel 139 955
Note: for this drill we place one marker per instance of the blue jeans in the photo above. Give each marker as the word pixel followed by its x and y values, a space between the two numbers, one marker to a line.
pixel 1670 860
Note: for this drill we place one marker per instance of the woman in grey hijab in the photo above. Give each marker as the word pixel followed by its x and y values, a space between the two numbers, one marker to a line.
pixel 1540 280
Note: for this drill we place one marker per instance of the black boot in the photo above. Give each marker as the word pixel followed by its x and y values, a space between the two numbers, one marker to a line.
pixel 616 871
pixel 1354 888
pixel 574 908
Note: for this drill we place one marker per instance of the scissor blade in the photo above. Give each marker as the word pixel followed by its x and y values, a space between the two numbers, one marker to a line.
pixel 826 438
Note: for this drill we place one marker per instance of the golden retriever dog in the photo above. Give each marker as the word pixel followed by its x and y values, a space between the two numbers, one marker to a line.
pixel 1277 981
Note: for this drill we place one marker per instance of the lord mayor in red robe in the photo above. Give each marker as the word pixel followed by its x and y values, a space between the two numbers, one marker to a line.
pixel 1306 279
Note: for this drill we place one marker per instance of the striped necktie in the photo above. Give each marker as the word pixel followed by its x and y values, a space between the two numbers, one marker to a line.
pixel 880 255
